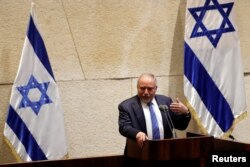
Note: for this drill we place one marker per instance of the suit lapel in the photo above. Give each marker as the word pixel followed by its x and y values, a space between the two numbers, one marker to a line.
pixel 138 111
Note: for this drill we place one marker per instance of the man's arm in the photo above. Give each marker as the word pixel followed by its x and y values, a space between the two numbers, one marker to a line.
pixel 125 123
pixel 126 127
pixel 181 116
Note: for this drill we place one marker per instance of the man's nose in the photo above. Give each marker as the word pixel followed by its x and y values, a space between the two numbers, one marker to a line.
pixel 146 91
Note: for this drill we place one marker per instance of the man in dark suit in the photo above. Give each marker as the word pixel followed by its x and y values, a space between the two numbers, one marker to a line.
pixel 135 117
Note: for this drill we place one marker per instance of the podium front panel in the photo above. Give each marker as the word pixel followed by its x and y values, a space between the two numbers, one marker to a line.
pixel 171 149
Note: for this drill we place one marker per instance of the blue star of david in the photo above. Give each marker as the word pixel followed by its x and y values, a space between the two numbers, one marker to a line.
pixel 215 34
pixel 27 102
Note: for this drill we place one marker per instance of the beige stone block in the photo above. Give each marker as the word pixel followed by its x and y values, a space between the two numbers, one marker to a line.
pixel 13 21
pixel 59 40
pixel 242 131
pixel 56 35
pixel 118 38
pixel 91 116
pixel 242 14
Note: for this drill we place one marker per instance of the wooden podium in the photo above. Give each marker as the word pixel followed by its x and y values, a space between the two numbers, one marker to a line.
pixel 191 151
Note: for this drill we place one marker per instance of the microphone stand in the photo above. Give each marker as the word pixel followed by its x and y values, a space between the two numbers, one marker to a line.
pixel 165 110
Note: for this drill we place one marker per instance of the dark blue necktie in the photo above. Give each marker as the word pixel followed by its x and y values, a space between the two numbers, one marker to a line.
pixel 155 127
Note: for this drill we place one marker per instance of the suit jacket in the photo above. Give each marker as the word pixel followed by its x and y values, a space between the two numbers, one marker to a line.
pixel 132 119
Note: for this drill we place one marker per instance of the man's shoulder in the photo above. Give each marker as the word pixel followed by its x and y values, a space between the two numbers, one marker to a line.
pixel 163 99
pixel 159 96
pixel 130 100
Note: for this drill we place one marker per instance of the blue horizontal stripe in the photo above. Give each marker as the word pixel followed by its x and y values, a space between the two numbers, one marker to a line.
pixel 38 46
pixel 207 90
pixel 23 134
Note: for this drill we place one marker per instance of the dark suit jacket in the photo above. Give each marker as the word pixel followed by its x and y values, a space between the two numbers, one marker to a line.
pixel 132 120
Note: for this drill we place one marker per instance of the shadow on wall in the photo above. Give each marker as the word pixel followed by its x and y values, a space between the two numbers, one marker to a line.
pixel 178 50
pixel 177 57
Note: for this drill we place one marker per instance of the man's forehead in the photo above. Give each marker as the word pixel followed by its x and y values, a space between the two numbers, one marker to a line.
pixel 146 79
pixel 148 83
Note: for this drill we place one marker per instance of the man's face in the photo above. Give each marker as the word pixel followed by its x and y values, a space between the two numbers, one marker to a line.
pixel 146 88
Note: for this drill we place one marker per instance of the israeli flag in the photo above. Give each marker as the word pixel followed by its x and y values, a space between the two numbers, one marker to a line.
pixel 35 124
pixel 213 76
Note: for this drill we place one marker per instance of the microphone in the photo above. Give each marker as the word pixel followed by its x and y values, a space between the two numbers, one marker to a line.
pixel 165 110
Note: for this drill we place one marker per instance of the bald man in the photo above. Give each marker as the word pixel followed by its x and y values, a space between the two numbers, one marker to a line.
pixel 135 118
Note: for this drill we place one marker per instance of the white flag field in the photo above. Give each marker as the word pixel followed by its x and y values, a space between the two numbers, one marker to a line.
pixel 34 126
pixel 213 75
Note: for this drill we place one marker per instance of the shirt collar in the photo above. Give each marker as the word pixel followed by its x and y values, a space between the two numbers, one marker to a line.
pixel 145 104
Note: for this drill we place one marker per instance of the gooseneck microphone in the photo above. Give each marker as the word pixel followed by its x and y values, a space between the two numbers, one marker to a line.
pixel 165 110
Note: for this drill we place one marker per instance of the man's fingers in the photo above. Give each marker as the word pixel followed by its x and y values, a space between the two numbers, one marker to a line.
pixel 140 138
pixel 177 100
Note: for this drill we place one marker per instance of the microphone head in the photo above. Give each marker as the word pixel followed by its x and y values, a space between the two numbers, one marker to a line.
pixel 163 108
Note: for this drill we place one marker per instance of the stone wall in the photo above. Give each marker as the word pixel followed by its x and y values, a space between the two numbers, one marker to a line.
pixel 97 48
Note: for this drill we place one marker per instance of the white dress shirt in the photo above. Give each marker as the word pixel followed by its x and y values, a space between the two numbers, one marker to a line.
pixel 148 119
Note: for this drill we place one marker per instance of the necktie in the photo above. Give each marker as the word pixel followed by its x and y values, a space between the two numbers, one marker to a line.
pixel 155 127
